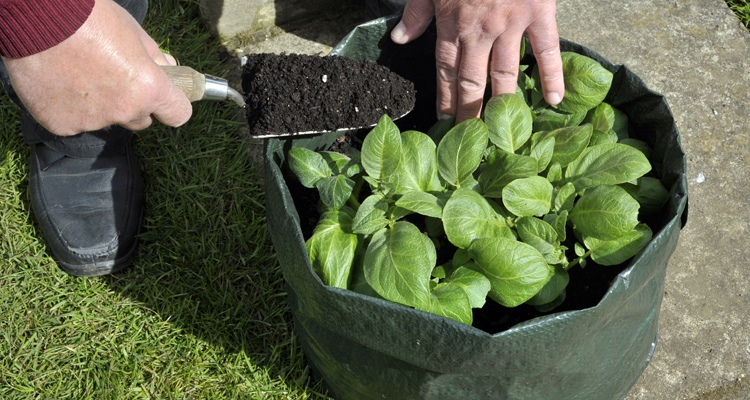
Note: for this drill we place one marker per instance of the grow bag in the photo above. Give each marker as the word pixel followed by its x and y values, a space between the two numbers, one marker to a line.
pixel 367 348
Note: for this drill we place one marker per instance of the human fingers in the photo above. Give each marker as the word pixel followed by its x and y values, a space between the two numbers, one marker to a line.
pixel 153 50
pixel 504 62
pixel 545 42
pixel 161 100
pixel 170 59
pixel 415 19
pixel 175 108
pixel 471 80
pixel 447 56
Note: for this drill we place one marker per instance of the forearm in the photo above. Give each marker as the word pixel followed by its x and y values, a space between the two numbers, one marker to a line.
pixel 29 27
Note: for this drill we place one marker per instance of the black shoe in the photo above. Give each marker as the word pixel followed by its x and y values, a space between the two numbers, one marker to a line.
pixel 87 193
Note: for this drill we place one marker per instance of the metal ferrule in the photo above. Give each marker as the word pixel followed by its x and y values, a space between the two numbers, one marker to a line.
pixel 216 88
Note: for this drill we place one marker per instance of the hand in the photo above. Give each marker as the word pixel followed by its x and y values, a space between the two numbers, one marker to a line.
pixel 474 36
pixel 106 73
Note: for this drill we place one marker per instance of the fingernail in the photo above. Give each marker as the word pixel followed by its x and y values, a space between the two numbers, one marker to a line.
pixel 553 98
pixel 398 34
pixel 171 60
pixel 445 116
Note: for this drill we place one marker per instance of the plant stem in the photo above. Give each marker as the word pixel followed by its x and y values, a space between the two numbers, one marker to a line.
pixel 577 260
pixel 353 202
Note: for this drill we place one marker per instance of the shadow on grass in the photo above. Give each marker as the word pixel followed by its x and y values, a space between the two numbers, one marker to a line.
pixel 206 263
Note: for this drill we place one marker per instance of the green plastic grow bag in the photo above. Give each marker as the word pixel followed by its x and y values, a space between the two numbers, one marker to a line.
pixel 367 348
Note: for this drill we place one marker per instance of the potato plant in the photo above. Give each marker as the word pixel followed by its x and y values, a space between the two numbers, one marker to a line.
pixel 515 198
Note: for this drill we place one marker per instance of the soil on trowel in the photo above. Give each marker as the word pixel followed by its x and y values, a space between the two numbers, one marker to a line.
pixel 290 93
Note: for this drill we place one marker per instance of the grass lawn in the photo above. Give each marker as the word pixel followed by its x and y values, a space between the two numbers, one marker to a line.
pixel 201 313
pixel 742 9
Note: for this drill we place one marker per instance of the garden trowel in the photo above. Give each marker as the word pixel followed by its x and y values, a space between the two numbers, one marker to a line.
pixel 198 86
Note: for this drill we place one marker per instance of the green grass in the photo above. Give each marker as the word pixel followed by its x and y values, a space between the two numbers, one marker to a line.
pixel 201 313
pixel 742 9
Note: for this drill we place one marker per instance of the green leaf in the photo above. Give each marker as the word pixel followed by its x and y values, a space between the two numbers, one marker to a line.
pixel 570 142
pixel 541 236
pixel 421 203
pixel 395 213
pixel 357 282
pixel 309 166
pixel 509 121
pixel 543 152
pixel 564 198
pixel 440 128
pixel 339 163
pixel 621 125
pixel 460 151
pixel 554 174
pixel 650 193
pixel 460 258
pixel 553 304
pixel 557 283
pixel 381 149
pixel 331 249
pixel 606 164
pixel 335 191
pixel 605 212
pixel 471 183
pixel 451 301
pixel 434 227
pixel 559 222
pixel 474 283
pixel 502 168
pixel 341 219
pixel 418 168
pixel 616 251
pixel 640 145
pixel 537 97
pixel 599 137
pixel 398 264
pixel 549 119
pixel 528 196
pixel 586 83
pixel 468 216
pixel 524 85
pixel 370 216
pixel 516 270
pixel 531 227
pixel 579 249
pixel 601 117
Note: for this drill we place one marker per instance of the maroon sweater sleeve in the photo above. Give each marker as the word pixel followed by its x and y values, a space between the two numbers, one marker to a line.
pixel 31 26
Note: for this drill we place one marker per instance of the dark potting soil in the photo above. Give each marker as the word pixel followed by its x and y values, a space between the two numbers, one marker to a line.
pixel 291 93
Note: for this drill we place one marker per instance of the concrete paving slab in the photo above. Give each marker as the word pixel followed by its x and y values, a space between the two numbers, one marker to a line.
pixel 697 54
pixel 239 23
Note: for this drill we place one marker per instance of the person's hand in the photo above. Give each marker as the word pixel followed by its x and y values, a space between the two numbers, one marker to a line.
pixel 477 37
pixel 107 73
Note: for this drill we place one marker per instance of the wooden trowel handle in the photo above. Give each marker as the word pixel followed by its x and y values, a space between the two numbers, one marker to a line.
pixel 198 86
pixel 190 81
